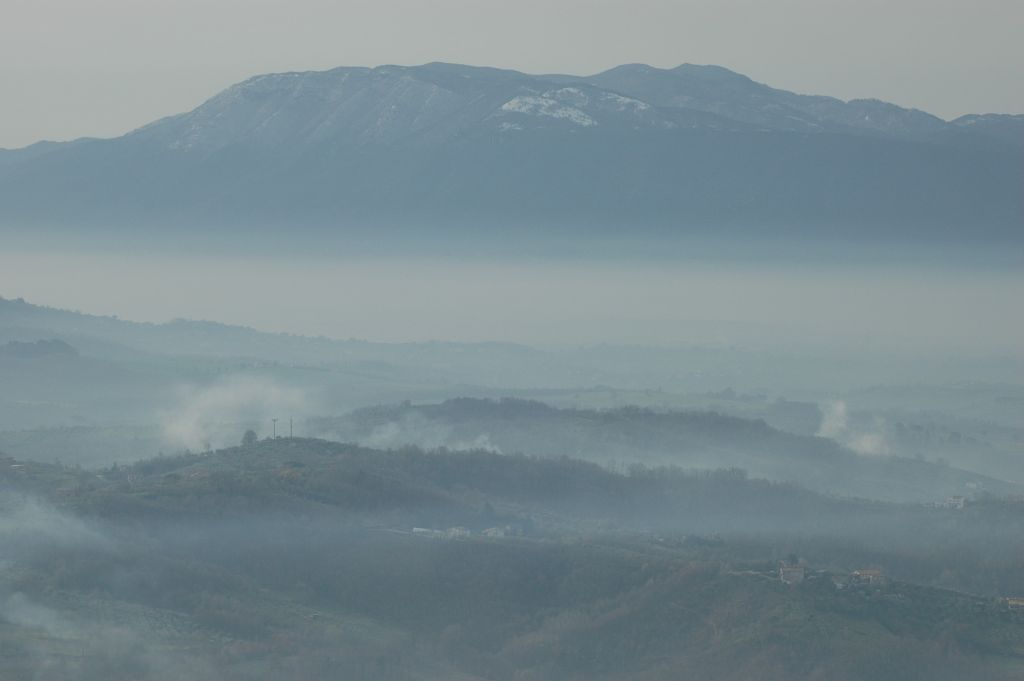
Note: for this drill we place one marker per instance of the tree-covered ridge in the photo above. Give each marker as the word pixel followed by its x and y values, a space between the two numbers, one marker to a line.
pixel 688 439
pixel 542 497
pixel 308 559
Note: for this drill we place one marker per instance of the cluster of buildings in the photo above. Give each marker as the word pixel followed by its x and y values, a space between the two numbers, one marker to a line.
pixel 1014 603
pixel 796 574
pixel 792 574
pixel 450 533
pixel 465 532
pixel 956 503
pixel 867 577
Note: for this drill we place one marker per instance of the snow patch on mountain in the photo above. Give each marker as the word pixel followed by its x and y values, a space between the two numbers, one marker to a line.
pixel 624 103
pixel 547 107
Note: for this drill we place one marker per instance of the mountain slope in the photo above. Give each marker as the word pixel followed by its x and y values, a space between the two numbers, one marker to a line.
pixel 1003 128
pixel 734 96
pixel 418 150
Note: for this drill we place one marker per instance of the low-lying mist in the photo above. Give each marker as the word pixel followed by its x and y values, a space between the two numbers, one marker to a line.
pixel 548 302
pixel 835 425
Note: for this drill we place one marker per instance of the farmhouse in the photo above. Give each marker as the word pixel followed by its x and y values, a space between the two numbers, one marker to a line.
pixel 791 574
pixel 1015 603
pixel 867 576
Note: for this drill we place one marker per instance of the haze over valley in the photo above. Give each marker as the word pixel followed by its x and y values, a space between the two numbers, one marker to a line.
pixel 461 372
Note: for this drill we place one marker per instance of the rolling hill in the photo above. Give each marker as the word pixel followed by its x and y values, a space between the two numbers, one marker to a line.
pixel 689 439
pixel 299 558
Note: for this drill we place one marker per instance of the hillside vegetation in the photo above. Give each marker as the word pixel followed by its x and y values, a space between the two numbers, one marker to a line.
pixel 299 558
pixel 688 439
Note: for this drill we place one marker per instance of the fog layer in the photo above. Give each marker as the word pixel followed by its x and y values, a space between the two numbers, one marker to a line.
pixel 546 302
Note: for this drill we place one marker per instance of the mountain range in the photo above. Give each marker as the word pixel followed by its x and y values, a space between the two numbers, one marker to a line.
pixel 632 151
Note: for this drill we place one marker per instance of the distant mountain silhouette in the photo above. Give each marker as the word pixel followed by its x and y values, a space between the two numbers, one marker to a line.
pixel 41 348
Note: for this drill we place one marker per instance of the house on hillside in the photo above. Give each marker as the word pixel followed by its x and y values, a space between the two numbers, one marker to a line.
pixel 450 533
pixel 426 532
pixel 1015 603
pixel 792 574
pixel 867 576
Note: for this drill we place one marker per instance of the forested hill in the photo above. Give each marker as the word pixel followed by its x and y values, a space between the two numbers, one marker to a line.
pixel 406 488
pixel 314 558
pixel 620 437
pixel 635 152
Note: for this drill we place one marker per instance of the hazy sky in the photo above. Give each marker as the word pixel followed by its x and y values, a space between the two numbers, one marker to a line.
pixel 72 68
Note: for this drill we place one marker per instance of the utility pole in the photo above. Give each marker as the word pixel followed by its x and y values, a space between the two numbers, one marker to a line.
pixel 275 428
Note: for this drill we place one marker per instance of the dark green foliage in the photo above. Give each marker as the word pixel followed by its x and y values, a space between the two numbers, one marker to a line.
pixel 294 558
pixel 582 608
pixel 690 439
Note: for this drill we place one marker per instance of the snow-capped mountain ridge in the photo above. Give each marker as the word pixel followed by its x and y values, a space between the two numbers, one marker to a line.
pixel 718 90
pixel 360 105
pixel 694 147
